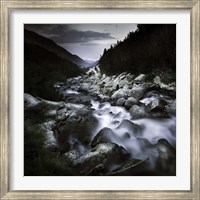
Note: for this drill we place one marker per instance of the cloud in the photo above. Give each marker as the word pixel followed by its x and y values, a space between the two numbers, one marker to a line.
pixel 75 36
pixel 89 44
pixel 86 40
pixel 98 43
pixel 66 34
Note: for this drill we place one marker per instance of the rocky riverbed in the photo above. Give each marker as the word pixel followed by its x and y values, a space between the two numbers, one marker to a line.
pixel 112 125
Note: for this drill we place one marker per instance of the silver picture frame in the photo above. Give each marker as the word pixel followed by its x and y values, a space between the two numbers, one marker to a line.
pixel 7 6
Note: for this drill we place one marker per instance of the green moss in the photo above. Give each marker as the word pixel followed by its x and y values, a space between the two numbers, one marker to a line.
pixel 168 78
pixel 38 160
pixel 149 77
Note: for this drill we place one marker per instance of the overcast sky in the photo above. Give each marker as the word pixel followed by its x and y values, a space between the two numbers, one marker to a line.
pixel 85 40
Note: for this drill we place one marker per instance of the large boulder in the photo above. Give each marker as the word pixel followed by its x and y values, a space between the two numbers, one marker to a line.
pixel 157 108
pixel 130 102
pixel 119 94
pixel 123 83
pixel 140 78
pixel 47 109
pixel 107 154
pixel 130 127
pixel 137 112
pixel 120 102
pixel 157 104
pixel 78 126
pixel 105 135
pixel 71 112
pixel 73 154
pixel 137 91
pixel 144 143
pixel 30 101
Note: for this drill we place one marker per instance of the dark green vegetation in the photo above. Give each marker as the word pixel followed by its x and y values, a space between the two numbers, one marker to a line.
pixel 151 49
pixel 43 67
pixel 44 64
pixel 40 160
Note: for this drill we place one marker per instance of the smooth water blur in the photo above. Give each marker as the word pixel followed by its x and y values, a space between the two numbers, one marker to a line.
pixel 109 116
pixel 140 145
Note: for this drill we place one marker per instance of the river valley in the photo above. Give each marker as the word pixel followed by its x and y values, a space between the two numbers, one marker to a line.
pixel 122 125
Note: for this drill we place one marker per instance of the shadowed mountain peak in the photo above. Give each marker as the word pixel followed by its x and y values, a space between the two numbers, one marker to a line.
pixel 36 39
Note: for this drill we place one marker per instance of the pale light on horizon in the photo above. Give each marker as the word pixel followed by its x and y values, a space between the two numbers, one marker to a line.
pixel 87 41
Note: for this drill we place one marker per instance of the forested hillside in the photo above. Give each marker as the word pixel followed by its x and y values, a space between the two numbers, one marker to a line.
pixel 34 38
pixel 42 68
pixel 150 49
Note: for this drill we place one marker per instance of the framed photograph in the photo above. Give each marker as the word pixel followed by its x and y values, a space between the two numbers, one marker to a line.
pixel 100 99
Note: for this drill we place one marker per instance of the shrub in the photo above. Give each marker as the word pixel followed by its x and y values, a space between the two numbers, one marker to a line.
pixel 38 160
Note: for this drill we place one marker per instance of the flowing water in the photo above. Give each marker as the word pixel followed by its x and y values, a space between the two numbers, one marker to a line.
pixel 141 145
pixel 140 137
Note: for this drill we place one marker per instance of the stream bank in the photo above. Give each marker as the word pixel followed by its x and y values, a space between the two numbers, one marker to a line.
pixel 111 125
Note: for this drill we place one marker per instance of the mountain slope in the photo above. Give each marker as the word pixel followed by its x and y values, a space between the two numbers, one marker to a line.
pixel 151 49
pixel 43 67
pixel 36 39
